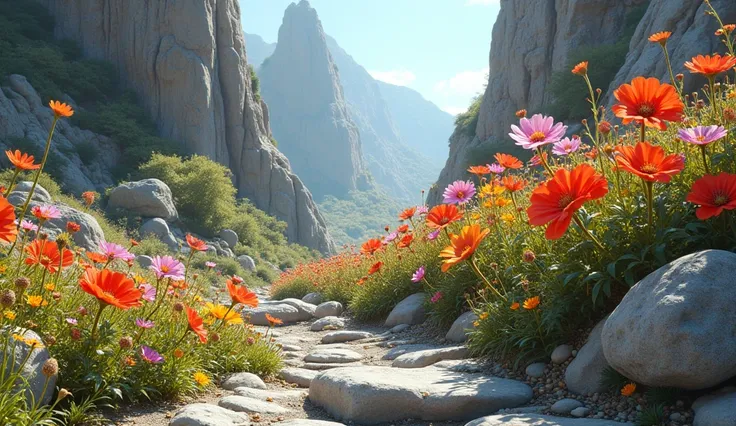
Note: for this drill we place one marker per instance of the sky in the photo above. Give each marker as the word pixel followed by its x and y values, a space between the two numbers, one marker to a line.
pixel 437 47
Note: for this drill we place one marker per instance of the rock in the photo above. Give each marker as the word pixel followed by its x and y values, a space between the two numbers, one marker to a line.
pixel 243 380
pixel 716 410
pixel 266 394
pixel 460 365
pixel 328 366
pixel 540 420
pixel 536 370
pixel 307 422
pixel 292 355
pixel 286 313
pixel 147 198
pixel 333 356
pixel 580 412
pixel 32 362
pixel 144 261
pixel 428 357
pixel 345 336
pixel 561 354
pixel 90 234
pixel 583 375
pixel 400 350
pixel 331 323
pixel 251 405
pixel 19 195
pixel 408 311
pixel 432 394
pixel 207 415
pixel 247 262
pixel 306 310
pixel 565 406
pixel 682 307
pixel 461 327
pixel 298 376
pixel 328 309
pixel 160 229
pixel 313 298
pixel 399 328
pixel 230 237
pixel 291 348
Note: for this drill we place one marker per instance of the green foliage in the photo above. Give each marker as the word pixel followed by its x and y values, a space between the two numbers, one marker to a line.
pixel 612 380
pixel 255 83
pixel 652 416
pixel 466 122
pixel 663 395
pixel 45 180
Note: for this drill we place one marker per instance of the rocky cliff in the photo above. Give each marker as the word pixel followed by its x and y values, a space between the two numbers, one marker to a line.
pixel 309 114
pixel 258 49
pixel 187 61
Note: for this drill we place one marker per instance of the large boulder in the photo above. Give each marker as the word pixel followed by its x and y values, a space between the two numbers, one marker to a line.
pixel 147 198
pixel 230 237
pixel 328 309
pixel 715 410
pixel 159 229
pixel 247 262
pixel 201 414
pixel 31 360
pixel 432 394
pixel 408 311
pixel 19 195
pixel 585 371
pixel 462 327
pixel 305 309
pixel 675 327
pixel 286 313
pixel 540 420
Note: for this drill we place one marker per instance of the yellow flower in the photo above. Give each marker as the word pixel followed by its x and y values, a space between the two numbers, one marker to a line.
pixel 483 315
pixel 3 268
pixel 475 216
pixel 9 315
pixel 138 278
pixel 18 337
pixel 492 189
pixel 476 323
pixel 531 303
pixel 36 301
pixel 731 94
pixel 201 379
pixel 50 286
pixel 219 312
pixel 502 202
pixel 515 306
pixel 34 343
pixel 507 217
pixel 629 389
pixel 488 204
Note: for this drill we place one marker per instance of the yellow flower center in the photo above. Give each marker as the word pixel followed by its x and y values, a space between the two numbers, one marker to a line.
pixel 460 194
pixel 45 259
pixel 700 138
pixel 537 137
pixel 164 269
pixel 645 110
pixel 719 198
pixel 649 168
pixel 565 201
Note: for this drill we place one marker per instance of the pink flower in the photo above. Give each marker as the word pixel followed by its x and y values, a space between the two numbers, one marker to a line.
pixel 390 237
pixel 459 192
pixel 433 235
pixel 72 321
pixel 140 322
pixel 422 209
pixel 28 226
pixel 150 355
pixel 566 146
pixel 702 135
pixel 436 298
pixel 114 251
pixel 168 267
pixel 418 275
pixel 540 130
pixel 210 264
pixel 46 212
pixel 149 292
pixel 496 168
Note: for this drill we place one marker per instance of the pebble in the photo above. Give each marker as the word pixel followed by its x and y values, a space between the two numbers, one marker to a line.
pixel 561 354
pixel 536 370
pixel 580 412
pixel 565 406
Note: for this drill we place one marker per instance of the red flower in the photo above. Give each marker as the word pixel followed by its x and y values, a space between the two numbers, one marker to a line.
pixel 88 197
pixel 508 161
pixel 196 324
pixel 648 101
pixel 46 254
pixel 714 194
pixel 21 161
pixel 111 288
pixel 443 215
pixel 376 267
pixel 407 213
pixel 402 229
pixel 196 244
pixel 240 294
pixel 710 66
pixel 8 229
pixel 581 68
pixel 649 162
pixel 406 241
pixel 73 227
pixel 371 246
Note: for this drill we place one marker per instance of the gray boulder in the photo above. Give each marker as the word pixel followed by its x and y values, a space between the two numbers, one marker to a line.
pixel 328 309
pixel 243 380
pixel 251 405
pixel 286 313
pixel 159 229
pixel 147 198
pixel 144 261
pixel 585 371
pixel 718 409
pixel 247 262
pixel 530 419
pixel 19 195
pixel 331 323
pixel 298 376
pixel 200 414
pixel 90 234
pixel 306 310
pixel 420 359
pixel 461 327
pixel 408 311
pixel 230 237
pixel 345 336
pixel 669 328
pixel 34 360
pixel 313 298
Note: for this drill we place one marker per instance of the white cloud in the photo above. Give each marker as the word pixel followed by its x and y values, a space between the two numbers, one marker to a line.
pixel 463 83
pixel 454 110
pixel 480 2
pixel 396 77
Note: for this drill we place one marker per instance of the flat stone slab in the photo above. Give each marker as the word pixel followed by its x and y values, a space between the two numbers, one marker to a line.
pixel 345 336
pixel 328 356
pixel 327 366
pixel 251 405
pixel 432 394
pixel 265 394
pixel 290 348
pixel 284 312
pixel 404 349
pixel 540 420
pixel 460 365
pixel 239 380
pixel 424 358
pixel 208 415
pixel 330 323
pixel 307 422
pixel 298 376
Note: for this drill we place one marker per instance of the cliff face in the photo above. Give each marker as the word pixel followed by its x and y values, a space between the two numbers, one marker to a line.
pixel 187 61
pixel 308 111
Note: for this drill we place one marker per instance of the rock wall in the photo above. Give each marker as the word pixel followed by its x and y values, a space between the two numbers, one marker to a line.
pixel 187 61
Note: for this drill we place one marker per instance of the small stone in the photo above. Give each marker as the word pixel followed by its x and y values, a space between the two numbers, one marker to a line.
pixel 561 354
pixel 345 336
pixel 328 309
pixel 246 380
pixel 333 323
pixel 399 328
pixel 299 376
pixel 207 415
pixel 675 417
pixel 313 298
pixel 251 405
pixel 536 370
pixel 565 406
pixel 580 412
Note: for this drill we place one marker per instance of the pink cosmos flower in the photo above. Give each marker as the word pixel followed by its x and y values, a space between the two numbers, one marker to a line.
pixel 496 168
pixel 72 321
pixel 433 235
pixel 210 264
pixel 390 237
pixel 140 322
pixel 115 251
pixel 149 292
pixel 566 146
pixel 538 131
pixel 167 267
pixel 702 135
pixel 422 209
pixel 459 192
pixel 150 355
pixel 436 298
pixel 28 226
pixel 418 275
pixel 46 212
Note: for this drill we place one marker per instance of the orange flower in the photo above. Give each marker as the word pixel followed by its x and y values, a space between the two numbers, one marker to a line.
pixel 8 229
pixel 660 37
pixel 273 320
pixel 521 113
pixel 402 229
pixel 46 254
pixel 407 213
pixel 61 109
pixel 21 161
pixel 556 200
pixel 710 66
pixel 581 68
pixel 371 246
pixel 729 28
pixel 648 101
pixel 462 246
pixel 513 184
pixel 88 197
pixel 73 227
pixel 479 170
pixel 240 294
pixel 531 303
pixel 714 194
pixel 443 215
pixel 405 241
pixel 196 244
pixel 97 257
pixel 134 243
pixel 649 162
pixel 178 353
pixel 508 161
pixel 376 267
pixel 111 288
pixel 196 324
pixel 629 389
pixel 514 306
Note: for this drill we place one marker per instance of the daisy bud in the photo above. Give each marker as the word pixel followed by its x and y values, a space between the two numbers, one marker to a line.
pixel 50 367
pixel 126 342
pixel 521 113
pixel 43 236
pixel 214 337
pixel 178 353
pixel 75 333
pixel 584 121
pixel 7 298
pixel 680 77
pixel 195 276
pixel 56 296
pixel 598 91
pixel 178 307
pixel 528 256
pixel 250 341
pixel 494 265
pixel 63 393
pixel 604 127
pixel 22 283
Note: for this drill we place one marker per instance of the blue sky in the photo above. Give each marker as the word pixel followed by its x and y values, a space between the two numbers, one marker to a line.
pixel 437 47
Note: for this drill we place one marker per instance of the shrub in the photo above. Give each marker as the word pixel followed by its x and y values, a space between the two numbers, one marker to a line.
pixel 466 122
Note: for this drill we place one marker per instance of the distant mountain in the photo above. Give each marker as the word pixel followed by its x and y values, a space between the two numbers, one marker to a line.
pixel 258 49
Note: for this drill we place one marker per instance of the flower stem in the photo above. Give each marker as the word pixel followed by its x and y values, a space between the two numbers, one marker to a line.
pixel 650 207
pixel 643 131
pixel 705 159
pixel 485 280
pixel 585 230
pixel 669 68
pixel 544 162
pixel 12 182
pixel 97 320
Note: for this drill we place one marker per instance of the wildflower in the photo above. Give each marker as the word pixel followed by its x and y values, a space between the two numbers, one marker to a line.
pixel 224 314
pixel 405 241
pixel 48 256
pixel 371 246
pixel 195 243
pixel 710 66
pixel 508 161
pixel 376 267
pixel 513 184
pixel 514 306
pixel 531 303
pixel 73 227
pixel 63 393
pixel 402 229
pixel 521 113
pixel 110 288
pixel 201 379
pixel 433 235
pixel 528 256
pixel 443 215
pixel 418 275
pixel 483 316
pixel 566 146
pixel 7 298
pixel 508 218
pixel 496 168
pixel 196 324
pixel 729 114
pixel 647 101
pixel 660 37
pixel 28 226
pixel 129 361
pixel 72 321
pixel 536 160
pixel 9 315
pixel 210 265
pixel 390 237
pixel 581 68
pixel 503 202
pixel 422 209
pixel 628 389
pixel 50 286
pixel 151 356
pixel 702 135
pixel 140 322
pixel 115 251
pixel 713 194
pixel 34 301
pixel 167 267
pixel 604 127
pixel 479 171
pixel 134 243
pixel 75 334
pixel 556 201
pixel 459 192
pixel 241 294
pixel 436 297
pixel 649 162
pixel 148 292
pixel 45 212
pixel 462 246
pixel 536 132
pixel 178 307
pixel 61 109
pixel 33 343
pixel 88 197
pixel 178 353
pixel 50 367
pixel 407 213
pixel 125 342
pixel 236 279
pixel 21 161
pixel 272 321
